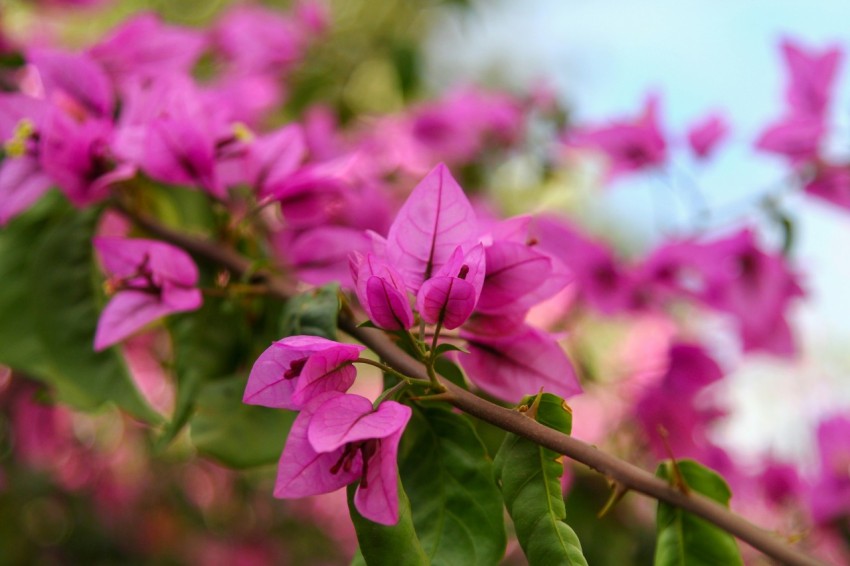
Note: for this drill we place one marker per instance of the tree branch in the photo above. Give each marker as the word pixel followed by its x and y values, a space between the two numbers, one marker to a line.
pixel 629 475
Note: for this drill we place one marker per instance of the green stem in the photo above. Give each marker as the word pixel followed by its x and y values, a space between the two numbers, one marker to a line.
pixel 400 386
pixel 406 379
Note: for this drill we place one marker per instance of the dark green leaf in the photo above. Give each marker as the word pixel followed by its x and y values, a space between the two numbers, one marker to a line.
pixel 313 313
pixel 530 477
pixel 50 306
pixel 381 545
pixel 236 434
pixel 450 371
pixel 685 539
pixel 457 507
pixel 209 343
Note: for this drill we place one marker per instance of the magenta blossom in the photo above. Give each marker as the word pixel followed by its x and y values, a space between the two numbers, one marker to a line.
pixel 381 291
pixel 811 78
pixel 338 439
pixel 432 223
pixel 511 366
pixel 704 135
pixel 296 369
pixel 144 45
pixel 630 145
pixel 149 279
pixel 830 495
pixel 452 293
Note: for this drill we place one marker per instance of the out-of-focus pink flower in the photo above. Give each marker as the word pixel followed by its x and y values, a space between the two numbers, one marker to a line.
pixel 706 134
pixel 811 77
pixel 77 156
pixel 755 287
pixel 832 184
pixel 296 369
pixel 830 494
pixel 254 38
pixel 144 45
pixel 669 413
pixel 150 279
pixel 630 145
pixel 602 282
pixel 796 137
pixel 338 439
pixel 517 364
pixel 73 81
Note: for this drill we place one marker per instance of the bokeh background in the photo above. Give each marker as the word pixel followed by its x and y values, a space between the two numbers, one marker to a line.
pixel 92 489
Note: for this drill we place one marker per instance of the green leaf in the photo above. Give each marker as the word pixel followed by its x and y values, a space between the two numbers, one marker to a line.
pixel 450 371
pixel 381 545
pixel 314 313
pixel 530 477
pixel 685 539
pixel 446 347
pixel 51 304
pixel 236 434
pixel 457 507
pixel 209 343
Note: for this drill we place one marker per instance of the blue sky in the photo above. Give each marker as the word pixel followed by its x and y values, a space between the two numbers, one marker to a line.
pixel 603 56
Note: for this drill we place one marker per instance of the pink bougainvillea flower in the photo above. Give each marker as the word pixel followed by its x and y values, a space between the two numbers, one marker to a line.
pixel 518 277
pixel 706 134
pixel 320 255
pixel 149 279
pixel 294 370
pixel 670 404
pixel 755 287
pixel 450 296
pixel 77 156
pixel 429 227
pixel 602 282
pixel 811 78
pixel 796 137
pixel 511 366
pixel 179 151
pixel 381 292
pixel 73 81
pixel 254 38
pixel 338 439
pixel 830 494
pixel 630 145
pixel 832 184
pixel 22 183
pixel 271 159
pixel 144 45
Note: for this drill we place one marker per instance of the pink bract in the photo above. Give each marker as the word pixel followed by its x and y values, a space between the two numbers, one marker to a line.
pixel 432 223
pixel 294 370
pixel 150 279
pixel 339 438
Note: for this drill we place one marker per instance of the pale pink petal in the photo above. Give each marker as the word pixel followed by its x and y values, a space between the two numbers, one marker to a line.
pixel 127 312
pixel 351 418
pixel 378 500
pixel 447 299
pixel 302 471
pixel 268 384
pixel 513 271
pixel 510 367
pixel 434 221
pixel 329 370
pixel 387 307
pixel 22 183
